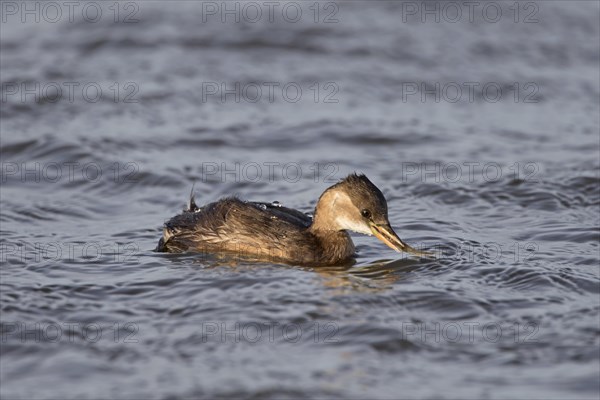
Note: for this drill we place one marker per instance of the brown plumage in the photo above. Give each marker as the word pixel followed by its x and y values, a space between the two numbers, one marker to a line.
pixel 271 232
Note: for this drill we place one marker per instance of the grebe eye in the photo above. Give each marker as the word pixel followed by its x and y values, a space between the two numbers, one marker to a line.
pixel 366 213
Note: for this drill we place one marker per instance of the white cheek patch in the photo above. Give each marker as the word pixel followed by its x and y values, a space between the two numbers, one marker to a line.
pixel 354 226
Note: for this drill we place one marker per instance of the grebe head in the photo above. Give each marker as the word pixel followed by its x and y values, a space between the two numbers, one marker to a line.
pixel 357 205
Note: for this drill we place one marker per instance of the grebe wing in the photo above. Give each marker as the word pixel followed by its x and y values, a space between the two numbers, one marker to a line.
pixel 290 215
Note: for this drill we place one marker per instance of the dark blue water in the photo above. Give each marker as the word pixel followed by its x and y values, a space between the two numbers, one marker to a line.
pixel 482 131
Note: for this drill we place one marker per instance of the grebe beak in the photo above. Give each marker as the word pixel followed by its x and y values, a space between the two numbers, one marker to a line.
pixel 386 234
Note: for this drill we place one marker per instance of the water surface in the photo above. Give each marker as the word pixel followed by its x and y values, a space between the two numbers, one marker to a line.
pixel 506 190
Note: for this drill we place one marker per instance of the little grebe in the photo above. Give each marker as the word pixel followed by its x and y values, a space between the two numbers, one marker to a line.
pixel 270 231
